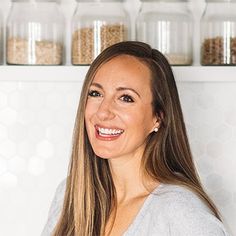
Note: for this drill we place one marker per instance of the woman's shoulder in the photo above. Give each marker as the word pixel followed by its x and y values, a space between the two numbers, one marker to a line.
pixel 55 208
pixel 175 196
pixel 184 212
pixel 174 199
pixel 60 190
pixel 58 199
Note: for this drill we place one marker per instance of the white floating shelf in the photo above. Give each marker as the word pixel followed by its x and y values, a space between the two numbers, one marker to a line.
pixel 205 73
pixel 77 73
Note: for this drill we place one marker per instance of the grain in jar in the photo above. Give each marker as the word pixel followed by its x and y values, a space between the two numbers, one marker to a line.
pixel 218 33
pixel 35 33
pixel 167 26
pixel 96 25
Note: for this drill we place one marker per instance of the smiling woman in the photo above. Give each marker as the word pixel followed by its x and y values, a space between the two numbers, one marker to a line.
pixel 118 113
pixel 131 170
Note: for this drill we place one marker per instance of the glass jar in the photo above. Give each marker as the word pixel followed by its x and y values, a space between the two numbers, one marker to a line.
pixel 218 33
pixel 96 25
pixel 35 31
pixel 167 25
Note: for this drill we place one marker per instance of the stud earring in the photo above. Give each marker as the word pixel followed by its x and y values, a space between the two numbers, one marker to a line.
pixel 155 129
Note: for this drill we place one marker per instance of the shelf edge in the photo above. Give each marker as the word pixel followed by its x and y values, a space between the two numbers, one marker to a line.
pixel 78 73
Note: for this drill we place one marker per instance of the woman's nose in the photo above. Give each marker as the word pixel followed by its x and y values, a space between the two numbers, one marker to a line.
pixel 105 110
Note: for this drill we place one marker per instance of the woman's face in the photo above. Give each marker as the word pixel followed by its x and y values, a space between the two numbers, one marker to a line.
pixel 118 113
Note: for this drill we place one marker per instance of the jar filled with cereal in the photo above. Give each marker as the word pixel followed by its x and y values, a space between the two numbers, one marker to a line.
pixel 218 33
pixel 167 25
pixel 96 25
pixel 35 31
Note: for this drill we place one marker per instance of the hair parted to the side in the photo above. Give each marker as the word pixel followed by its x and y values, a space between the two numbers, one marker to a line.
pixel 90 192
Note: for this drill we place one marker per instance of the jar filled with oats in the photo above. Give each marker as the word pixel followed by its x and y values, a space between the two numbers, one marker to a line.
pixel 218 33
pixel 35 33
pixel 167 25
pixel 96 25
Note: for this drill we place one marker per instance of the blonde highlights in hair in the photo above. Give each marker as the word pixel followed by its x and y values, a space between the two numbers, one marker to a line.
pixel 90 193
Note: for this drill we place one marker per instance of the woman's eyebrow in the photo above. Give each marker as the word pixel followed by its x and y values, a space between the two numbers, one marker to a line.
pixel 97 85
pixel 117 89
pixel 125 88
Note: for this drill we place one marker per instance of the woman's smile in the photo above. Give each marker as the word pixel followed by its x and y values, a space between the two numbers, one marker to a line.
pixel 107 134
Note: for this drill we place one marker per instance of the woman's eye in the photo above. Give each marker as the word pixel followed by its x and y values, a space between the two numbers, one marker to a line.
pixel 94 93
pixel 127 98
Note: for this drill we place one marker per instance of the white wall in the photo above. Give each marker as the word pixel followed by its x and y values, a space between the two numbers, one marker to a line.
pixel 36 122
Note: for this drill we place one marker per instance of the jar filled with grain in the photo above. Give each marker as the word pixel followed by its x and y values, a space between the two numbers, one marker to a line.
pixel 167 25
pixel 35 33
pixel 218 33
pixel 96 25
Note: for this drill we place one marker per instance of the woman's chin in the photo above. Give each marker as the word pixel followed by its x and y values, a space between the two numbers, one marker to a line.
pixel 103 156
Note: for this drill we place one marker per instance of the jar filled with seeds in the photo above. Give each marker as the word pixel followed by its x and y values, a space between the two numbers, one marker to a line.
pixel 167 25
pixel 35 33
pixel 218 33
pixel 96 25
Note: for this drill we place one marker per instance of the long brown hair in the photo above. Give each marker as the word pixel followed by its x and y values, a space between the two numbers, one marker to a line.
pixel 90 192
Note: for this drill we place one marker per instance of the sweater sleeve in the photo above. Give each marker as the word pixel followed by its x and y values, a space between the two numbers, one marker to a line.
pixel 188 215
pixel 55 209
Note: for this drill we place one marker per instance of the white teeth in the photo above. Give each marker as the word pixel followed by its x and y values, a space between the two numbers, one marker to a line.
pixel 110 131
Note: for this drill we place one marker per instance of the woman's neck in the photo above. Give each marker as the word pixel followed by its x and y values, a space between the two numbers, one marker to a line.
pixel 129 180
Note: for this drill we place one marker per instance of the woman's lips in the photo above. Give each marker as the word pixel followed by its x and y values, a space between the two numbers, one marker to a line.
pixel 107 134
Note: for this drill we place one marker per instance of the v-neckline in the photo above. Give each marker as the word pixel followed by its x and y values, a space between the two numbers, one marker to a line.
pixel 141 213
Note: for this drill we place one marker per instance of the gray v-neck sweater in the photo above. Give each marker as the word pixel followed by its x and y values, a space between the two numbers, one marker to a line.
pixel 169 210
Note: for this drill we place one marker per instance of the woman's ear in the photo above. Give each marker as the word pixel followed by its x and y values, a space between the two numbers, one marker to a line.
pixel 156 123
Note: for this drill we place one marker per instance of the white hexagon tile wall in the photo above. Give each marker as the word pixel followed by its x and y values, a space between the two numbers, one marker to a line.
pixel 36 123
pixel 210 115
